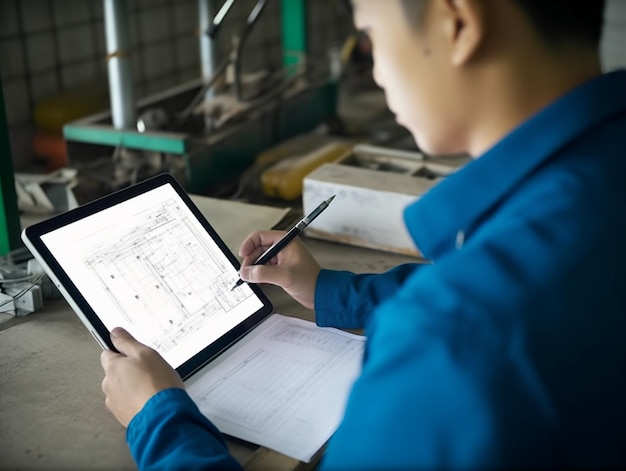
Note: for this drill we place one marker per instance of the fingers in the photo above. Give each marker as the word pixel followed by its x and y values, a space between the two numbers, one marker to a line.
pixel 264 274
pixel 105 358
pixel 258 242
pixel 124 342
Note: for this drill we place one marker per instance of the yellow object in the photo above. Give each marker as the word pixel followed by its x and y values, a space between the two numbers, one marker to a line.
pixel 348 47
pixel 52 113
pixel 284 179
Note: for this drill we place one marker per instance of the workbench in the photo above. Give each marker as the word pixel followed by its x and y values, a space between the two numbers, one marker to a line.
pixel 52 413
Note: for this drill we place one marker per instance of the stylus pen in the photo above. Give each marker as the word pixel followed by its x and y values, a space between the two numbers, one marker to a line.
pixel 288 237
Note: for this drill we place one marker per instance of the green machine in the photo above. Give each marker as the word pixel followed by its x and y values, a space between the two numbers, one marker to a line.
pixel 205 158
pixel 9 216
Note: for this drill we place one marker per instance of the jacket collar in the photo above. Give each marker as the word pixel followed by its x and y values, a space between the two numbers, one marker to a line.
pixel 456 204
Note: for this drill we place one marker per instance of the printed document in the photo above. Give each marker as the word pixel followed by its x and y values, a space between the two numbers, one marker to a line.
pixel 283 386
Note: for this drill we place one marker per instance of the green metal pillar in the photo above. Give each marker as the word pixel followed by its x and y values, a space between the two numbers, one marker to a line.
pixel 294 28
pixel 9 216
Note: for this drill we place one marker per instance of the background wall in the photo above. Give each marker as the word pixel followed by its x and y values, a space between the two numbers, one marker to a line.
pixel 47 46
pixel 614 40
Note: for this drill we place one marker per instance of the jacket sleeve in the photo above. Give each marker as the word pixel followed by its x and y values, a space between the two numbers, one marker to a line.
pixel 345 300
pixel 171 433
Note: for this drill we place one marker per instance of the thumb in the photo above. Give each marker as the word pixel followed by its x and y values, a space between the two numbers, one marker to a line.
pixel 123 341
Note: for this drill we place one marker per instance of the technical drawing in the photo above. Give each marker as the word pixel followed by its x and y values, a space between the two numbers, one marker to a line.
pixel 164 275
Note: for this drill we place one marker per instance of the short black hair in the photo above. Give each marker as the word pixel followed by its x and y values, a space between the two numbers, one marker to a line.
pixel 554 20
pixel 558 20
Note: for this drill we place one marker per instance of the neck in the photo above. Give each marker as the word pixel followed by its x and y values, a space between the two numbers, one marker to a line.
pixel 513 92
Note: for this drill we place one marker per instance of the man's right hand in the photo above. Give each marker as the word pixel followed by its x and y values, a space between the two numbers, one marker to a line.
pixel 294 269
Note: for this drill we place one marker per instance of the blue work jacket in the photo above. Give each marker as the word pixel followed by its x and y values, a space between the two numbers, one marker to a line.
pixel 509 350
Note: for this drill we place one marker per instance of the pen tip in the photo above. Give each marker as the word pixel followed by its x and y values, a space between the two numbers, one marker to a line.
pixel 331 198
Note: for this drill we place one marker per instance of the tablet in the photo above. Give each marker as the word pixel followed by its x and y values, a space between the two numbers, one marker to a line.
pixel 144 258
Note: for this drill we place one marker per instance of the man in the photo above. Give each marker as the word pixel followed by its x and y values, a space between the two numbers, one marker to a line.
pixel 508 351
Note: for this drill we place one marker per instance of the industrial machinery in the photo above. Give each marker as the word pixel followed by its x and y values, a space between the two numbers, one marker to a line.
pixel 206 132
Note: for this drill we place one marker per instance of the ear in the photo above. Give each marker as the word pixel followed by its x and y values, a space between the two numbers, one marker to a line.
pixel 464 28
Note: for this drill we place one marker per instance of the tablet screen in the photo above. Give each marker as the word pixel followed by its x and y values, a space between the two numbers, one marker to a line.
pixel 149 265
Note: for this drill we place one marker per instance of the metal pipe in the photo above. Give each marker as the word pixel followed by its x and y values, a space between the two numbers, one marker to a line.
pixel 294 33
pixel 9 214
pixel 119 65
pixel 208 50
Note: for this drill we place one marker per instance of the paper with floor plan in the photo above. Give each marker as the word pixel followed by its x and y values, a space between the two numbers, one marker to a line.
pixel 283 386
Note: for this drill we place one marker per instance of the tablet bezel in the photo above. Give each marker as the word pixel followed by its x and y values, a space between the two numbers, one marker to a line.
pixel 32 236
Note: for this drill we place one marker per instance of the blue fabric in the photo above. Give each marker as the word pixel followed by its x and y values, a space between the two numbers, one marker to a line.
pixel 509 349
pixel 170 433
pixel 351 306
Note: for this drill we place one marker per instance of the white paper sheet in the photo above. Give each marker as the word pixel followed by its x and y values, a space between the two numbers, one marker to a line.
pixel 283 386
